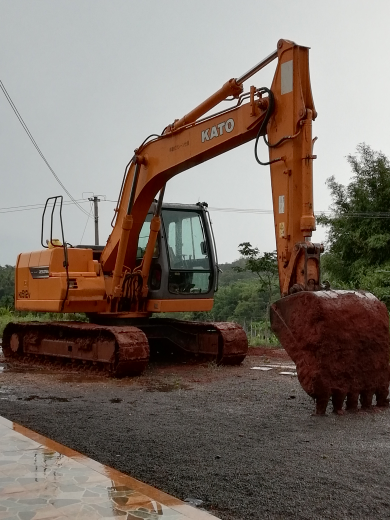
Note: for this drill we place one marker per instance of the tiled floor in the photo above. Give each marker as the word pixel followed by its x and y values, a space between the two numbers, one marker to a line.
pixel 41 479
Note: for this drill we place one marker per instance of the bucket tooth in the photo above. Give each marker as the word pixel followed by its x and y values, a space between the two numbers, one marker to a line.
pixel 366 399
pixel 322 403
pixel 338 399
pixel 339 341
pixel 352 401
pixel 382 400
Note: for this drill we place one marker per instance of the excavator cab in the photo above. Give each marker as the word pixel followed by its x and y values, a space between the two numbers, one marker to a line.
pixel 184 264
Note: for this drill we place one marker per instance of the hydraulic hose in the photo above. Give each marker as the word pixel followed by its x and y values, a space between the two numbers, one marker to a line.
pixel 263 126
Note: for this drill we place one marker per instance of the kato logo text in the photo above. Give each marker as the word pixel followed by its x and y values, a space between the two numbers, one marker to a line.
pixel 217 130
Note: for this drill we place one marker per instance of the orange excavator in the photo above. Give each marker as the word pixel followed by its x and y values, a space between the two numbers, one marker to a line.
pixel 162 258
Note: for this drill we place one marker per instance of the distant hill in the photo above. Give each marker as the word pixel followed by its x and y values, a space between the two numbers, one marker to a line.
pixel 229 275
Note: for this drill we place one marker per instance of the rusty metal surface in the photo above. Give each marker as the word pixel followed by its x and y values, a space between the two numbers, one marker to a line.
pixel 339 341
pixel 120 351
pixel 233 343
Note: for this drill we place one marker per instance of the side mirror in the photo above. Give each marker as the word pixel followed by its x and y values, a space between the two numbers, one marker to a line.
pixel 203 248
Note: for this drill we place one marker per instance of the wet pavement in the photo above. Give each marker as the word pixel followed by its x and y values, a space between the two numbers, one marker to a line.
pixel 241 440
pixel 42 479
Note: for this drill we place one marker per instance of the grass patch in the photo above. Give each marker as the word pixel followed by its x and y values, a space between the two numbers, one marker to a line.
pixel 261 342
pixel 7 315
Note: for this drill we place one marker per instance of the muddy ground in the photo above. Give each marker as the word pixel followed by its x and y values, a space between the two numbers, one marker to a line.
pixel 243 441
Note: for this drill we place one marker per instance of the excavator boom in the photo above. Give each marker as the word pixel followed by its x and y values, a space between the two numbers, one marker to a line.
pixel 285 116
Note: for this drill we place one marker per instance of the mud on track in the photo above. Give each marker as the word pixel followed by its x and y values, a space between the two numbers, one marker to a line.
pixel 243 441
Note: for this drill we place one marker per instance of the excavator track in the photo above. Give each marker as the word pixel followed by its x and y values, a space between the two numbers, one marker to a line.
pixel 118 351
pixel 233 343
pixel 223 342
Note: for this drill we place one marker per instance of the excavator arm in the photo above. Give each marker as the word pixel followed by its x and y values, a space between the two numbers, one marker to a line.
pixel 283 115
pixel 319 329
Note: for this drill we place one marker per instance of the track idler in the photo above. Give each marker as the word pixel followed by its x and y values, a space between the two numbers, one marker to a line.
pixel 339 341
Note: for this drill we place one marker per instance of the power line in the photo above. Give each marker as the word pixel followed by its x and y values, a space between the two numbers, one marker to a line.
pixel 86 224
pixel 29 207
pixel 41 205
pixel 76 202
pixel 368 214
pixel 21 121
pixel 242 210
pixel 258 211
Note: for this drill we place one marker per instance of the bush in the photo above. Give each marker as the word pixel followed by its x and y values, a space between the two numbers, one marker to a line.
pixel 260 334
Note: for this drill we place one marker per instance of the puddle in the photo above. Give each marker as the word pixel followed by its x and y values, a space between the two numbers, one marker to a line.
pixel 167 387
pixel 9 398
pixel 26 369
pixel 14 370
pixel 63 375
pixel 70 378
pixel 49 397
pixel 288 367
pixel 5 389
pixel 290 372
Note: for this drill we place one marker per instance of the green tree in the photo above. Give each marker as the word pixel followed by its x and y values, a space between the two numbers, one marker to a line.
pixel 358 239
pixel 229 274
pixel 7 280
pixel 240 301
pixel 264 266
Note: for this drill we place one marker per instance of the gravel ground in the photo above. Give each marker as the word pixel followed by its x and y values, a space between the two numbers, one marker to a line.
pixel 243 441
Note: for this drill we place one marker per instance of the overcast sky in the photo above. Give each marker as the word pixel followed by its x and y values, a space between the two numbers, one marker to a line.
pixel 93 78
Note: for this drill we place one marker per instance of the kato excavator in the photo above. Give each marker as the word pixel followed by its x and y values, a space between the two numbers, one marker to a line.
pixel 162 258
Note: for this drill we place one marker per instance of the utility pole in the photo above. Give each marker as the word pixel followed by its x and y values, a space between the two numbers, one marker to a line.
pixel 95 201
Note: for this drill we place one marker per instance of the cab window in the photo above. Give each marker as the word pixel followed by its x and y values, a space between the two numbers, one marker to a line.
pixel 189 261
